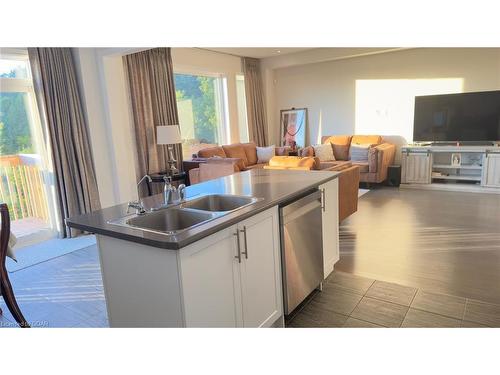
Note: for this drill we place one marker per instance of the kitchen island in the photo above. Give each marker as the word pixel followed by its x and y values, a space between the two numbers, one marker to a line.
pixel 223 272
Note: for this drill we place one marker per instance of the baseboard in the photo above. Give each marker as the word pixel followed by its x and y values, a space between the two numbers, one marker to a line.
pixel 452 187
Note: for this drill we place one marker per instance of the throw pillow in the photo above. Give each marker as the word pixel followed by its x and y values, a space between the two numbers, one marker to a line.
pixel 359 152
pixel 264 154
pixel 324 152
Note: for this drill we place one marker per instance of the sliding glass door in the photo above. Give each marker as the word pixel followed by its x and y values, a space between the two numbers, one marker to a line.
pixel 26 178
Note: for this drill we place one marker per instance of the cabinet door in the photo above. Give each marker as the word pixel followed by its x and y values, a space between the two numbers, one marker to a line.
pixel 491 177
pixel 330 225
pixel 210 275
pixel 416 168
pixel 261 269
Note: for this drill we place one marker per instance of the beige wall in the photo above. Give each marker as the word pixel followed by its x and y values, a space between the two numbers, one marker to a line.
pixel 327 89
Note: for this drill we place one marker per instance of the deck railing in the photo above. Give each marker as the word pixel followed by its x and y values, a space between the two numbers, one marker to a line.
pixel 22 188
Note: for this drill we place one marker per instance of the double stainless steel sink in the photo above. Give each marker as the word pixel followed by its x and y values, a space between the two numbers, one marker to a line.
pixel 186 215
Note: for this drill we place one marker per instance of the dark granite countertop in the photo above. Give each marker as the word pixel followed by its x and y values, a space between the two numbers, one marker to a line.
pixel 275 187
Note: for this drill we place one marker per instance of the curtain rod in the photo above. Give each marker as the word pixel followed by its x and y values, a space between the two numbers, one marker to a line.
pixel 223 53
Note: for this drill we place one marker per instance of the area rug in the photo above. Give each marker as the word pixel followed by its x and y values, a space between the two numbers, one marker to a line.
pixel 30 255
pixel 362 192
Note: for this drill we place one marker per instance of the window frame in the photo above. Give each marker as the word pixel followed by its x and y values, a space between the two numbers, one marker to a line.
pixel 221 99
pixel 243 111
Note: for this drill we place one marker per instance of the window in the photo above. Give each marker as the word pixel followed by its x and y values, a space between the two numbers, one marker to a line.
pixel 23 161
pixel 242 108
pixel 202 112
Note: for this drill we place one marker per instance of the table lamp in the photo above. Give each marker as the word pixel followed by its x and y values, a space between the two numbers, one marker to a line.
pixel 169 135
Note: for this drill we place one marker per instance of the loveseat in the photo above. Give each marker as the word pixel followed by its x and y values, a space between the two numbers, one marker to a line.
pixel 380 155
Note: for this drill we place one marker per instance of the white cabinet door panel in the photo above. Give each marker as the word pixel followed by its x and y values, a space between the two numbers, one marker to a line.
pixel 261 269
pixel 416 168
pixel 330 225
pixel 210 276
pixel 491 177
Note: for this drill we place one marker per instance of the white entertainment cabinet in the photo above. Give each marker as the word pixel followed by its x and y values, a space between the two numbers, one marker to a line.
pixel 431 167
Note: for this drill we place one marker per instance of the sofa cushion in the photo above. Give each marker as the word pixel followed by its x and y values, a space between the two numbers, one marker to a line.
pixel 337 165
pixel 363 166
pixel 340 145
pixel 366 139
pixel 341 140
pixel 236 151
pixel 341 152
pixel 264 154
pixel 211 152
pixel 286 162
pixel 359 152
pixel 208 171
pixel 324 152
pixel 251 152
pixel 288 168
pixel 239 163
pixel 256 166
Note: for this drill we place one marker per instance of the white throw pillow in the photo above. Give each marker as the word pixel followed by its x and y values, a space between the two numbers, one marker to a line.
pixel 324 152
pixel 359 152
pixel 264 154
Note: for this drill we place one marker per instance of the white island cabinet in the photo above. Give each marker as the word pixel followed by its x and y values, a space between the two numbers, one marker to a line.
pixel 229 279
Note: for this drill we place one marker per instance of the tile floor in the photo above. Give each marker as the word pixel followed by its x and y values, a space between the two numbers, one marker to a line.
pixel 67 292
pixel 353 301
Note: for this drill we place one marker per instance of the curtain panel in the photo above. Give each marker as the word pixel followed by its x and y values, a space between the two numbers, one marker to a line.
pixel 61 111
pixel 153 102
pixel 256 113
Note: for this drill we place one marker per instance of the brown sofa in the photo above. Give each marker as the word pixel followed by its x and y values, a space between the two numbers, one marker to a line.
pixel 225 160
pixel 380 155
pixel 245 152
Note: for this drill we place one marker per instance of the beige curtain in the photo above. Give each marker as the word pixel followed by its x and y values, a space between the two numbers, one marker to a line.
pixel 152 97
pixel 256 114
pixel 61 110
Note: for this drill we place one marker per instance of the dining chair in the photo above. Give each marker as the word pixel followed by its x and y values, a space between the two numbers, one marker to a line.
pixel 5 285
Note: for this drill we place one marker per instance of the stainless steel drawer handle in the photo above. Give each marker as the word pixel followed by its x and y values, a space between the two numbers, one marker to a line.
pixel 323 199
pixel 237 234
pixel 244 231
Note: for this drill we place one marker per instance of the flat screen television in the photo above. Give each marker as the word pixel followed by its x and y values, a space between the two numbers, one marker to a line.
pixel 467 117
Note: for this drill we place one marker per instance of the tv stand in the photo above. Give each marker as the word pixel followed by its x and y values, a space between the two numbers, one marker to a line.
pixel 457 143
pixel 458 168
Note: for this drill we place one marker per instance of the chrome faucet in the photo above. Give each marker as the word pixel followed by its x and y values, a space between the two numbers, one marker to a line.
pixel 181 190
pixel 139 207
pixel 171 194
pixel 169 191
pixel 146 176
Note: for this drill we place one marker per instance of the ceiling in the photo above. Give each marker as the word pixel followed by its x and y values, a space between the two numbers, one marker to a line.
pixel 259 53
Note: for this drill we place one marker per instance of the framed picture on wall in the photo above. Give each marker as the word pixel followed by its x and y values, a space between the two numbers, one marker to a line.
pixel 293 126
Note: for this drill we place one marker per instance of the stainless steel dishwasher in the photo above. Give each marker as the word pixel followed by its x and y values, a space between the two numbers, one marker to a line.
pixel 302 249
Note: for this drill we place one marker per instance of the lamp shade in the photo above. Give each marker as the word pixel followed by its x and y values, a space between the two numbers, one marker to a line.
pixel 168 135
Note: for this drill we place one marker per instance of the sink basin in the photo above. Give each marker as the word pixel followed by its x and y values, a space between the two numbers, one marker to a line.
pixel 175 219
pixel 219 202
pixel 170 220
